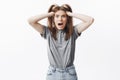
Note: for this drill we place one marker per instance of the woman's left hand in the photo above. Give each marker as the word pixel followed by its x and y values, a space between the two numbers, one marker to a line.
pixel 69 13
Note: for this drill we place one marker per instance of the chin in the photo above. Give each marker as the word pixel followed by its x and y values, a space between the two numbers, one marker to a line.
pixel 60 28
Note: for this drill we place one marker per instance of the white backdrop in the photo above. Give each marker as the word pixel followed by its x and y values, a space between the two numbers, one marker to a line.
pixel 23 54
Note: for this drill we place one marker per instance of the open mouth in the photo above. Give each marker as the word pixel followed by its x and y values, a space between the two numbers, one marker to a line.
pixel 60 24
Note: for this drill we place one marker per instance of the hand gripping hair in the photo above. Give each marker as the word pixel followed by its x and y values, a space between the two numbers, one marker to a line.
pixel 69 25
pixel 55 7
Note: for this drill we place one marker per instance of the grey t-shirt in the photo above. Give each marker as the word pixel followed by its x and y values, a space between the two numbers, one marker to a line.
pixel 60 51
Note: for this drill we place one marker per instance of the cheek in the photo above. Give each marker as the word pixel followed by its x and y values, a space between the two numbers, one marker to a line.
pixel 65 21
pixel 55 20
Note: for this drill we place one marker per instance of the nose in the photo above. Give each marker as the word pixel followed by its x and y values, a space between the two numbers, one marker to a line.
pixel 60 18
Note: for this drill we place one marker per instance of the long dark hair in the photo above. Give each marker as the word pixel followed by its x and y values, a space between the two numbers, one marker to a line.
pixel 69 25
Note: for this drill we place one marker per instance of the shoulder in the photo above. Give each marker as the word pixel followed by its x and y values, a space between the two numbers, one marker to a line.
pixel 45 32
pixel 75 33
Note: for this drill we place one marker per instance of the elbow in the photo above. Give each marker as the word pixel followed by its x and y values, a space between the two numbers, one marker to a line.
pixel 30 21
pixel 91 20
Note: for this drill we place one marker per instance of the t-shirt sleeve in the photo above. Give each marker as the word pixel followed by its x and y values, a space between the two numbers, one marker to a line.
pixel 45 32
pixel 75 33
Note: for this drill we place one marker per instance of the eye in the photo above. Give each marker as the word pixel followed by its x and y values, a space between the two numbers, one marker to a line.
pixel 64 16
pixel 57 16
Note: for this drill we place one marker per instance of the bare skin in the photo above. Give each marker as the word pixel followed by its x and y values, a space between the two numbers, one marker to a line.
pixel 61 18
pixel 86 21
pixel 33 21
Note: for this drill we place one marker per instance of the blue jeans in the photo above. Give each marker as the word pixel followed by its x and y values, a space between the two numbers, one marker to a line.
pixel 68 73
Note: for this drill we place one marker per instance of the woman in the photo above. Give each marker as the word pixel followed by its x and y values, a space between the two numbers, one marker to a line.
pixel 61 36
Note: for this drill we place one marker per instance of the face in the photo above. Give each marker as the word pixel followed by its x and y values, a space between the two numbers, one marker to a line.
pixel 60 19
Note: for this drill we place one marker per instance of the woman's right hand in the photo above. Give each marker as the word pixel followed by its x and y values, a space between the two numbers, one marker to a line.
pixel 51 13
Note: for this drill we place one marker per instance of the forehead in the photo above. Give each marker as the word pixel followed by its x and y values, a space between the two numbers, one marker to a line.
pixel 60 12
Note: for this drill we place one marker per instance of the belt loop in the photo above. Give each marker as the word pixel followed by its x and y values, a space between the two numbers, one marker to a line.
pixel 53 69
pixel 66 69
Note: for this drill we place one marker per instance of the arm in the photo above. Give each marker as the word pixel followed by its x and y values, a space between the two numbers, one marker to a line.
pixel 86 21
pixel 33 21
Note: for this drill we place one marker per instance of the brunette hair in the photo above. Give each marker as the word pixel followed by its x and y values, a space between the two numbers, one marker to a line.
pixel 69 25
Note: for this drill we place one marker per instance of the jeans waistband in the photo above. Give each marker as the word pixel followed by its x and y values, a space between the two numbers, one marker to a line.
pixel 60 69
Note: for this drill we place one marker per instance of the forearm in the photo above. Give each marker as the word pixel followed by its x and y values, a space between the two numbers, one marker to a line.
pixel 37 18
pixel 82 17
pixel 86 21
